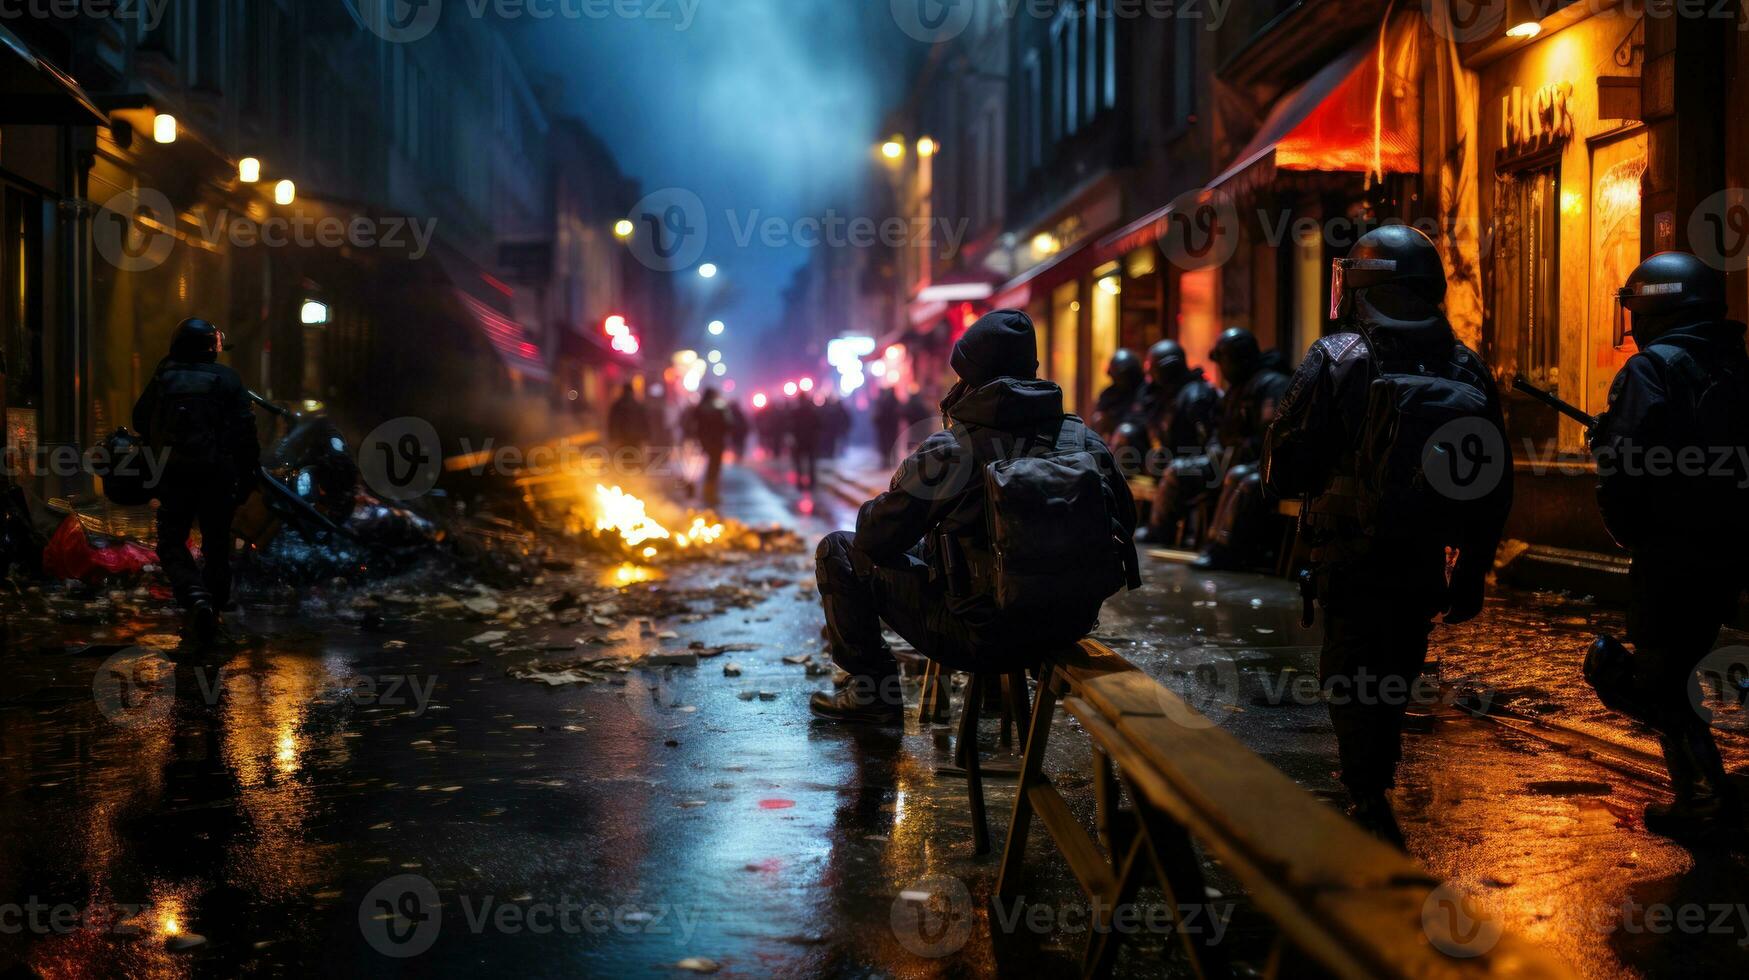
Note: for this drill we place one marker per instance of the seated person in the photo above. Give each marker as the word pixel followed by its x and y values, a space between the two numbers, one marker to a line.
pixel 1226 469
pixel 922 558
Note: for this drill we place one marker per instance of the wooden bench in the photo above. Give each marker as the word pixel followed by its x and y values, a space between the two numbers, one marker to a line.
pixel 1353 905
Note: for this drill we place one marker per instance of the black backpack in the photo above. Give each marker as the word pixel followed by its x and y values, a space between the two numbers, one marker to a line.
pixel 1428 451
pixel 1057 545
pixel 1718 423
pixel 190 415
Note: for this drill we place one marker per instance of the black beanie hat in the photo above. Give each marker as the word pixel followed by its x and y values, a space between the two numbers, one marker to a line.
pixel 1000 345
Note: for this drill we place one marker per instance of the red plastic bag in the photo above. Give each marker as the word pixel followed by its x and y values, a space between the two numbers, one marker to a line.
pixel 71 554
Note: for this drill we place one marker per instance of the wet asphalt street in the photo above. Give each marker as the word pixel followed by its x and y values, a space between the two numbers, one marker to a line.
pixel 374 794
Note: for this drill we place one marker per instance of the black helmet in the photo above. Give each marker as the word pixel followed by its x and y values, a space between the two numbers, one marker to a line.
pixel 1394 255
pixel 1167 364
pixel 196 342
pixel 1129 446
pixel 1125 369
pixel 1668 290
pixel 1237 354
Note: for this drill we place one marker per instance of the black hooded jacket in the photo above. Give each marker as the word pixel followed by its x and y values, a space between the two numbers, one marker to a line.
pixel 939 490
pixel 1318 424
pixel 1684 397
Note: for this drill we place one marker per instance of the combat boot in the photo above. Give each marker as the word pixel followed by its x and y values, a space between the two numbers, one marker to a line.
pixel 1706 803
pixel 1374 814
pixel 850 704
pixel 202 625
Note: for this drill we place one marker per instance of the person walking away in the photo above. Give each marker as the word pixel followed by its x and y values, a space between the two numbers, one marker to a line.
pixel 806 425
pixel 628 426
pixel 710 428
pixel 887 418
pixel 1393 435
pixel 197 412
pixel 1246 528
pixel 999 541
pixel 1683 396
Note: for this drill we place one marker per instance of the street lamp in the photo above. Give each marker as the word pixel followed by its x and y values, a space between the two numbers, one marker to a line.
pixel 164 128
pixel 623 229
pixel 893 149
pixel 717 328
pixel 926 147
pixel 284 193
pixel 249 170
pixel 315 313
pixel 708 270
pixel 719 369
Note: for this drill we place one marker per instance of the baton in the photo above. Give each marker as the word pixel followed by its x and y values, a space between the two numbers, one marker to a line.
pixel 1551 400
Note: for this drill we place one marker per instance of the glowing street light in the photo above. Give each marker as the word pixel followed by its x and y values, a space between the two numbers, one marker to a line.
pixel 790 388
pixel 715 357
pixel 708 270
pixel 806 384
pixel 284 193
pixel 1528 29
pixel 249 170
pixel 926 147
pixel 893 149
pixel 760 401
pixel 616 326
pixel 314 313
pixel 717 327
pixel 623 229
pixel 164 128
pixel 719 369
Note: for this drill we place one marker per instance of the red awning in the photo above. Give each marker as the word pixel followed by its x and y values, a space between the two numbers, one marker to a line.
pixel 509 338
pixel 1342 120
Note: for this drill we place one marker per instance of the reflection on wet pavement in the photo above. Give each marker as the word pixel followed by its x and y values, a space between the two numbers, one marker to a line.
pixel 272 809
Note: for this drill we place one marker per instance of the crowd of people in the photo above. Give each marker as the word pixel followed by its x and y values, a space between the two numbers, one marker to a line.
pixel 1392 438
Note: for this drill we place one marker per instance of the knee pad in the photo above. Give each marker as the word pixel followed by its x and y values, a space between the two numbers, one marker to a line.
pixel 1609 669
pixel 835 565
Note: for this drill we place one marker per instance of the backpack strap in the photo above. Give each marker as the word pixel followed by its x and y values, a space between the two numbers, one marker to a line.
pixel 1071 435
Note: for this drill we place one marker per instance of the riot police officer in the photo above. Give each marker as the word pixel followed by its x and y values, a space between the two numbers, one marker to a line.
pixel 1234 441
pixel 1178 406
pixel 197 412
pixel 1684 395
pixel 1118 399
pixel 1243 530
pixel 1380 574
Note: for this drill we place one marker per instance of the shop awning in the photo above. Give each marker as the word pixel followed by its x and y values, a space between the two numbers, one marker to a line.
pixel 1360 114
pixel 509 338
pixel 34 92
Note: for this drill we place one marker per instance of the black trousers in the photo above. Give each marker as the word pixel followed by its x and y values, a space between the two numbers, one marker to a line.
pixel 187 500
pixel 859 596
pixel 1678 605
pixel 1378 616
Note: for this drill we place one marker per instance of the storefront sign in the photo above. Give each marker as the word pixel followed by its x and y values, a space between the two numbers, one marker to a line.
pixel 1536 121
